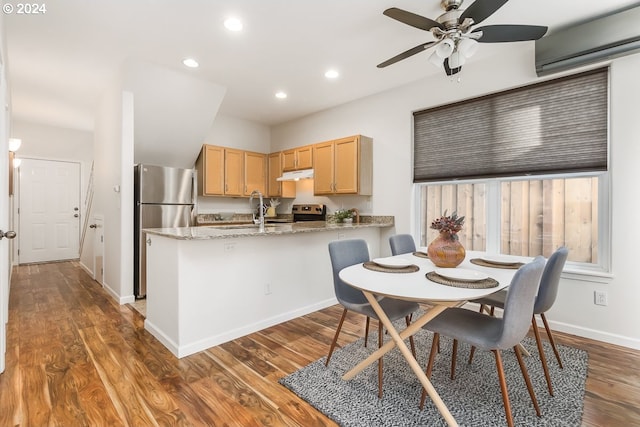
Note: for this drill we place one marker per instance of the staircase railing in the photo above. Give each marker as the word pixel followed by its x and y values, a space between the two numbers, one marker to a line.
pixel 88 201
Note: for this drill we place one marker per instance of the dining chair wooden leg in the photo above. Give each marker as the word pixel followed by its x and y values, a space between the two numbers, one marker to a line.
pixel 471 353
pixel 380 360
pixel 503 388
pixel 454 356
pixel 411 342
pixel 551 340
pixel 543 358
pixel 335 337
pixel 432 357
pixel 527 380
pixel 366 332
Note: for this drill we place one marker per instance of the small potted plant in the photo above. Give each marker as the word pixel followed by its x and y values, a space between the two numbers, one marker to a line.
pixel 343 215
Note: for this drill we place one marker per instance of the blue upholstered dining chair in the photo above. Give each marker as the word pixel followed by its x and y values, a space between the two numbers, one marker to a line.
pixel 345 253
pixel 493 333
pixel 402 244
pixel 544 301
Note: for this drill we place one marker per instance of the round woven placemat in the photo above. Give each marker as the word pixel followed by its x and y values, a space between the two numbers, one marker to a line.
pixel 485 263
pixel 421 254
pixel 476 284
pixel 370 265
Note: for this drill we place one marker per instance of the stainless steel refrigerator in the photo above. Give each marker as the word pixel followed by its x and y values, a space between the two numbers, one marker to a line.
pixel 164 197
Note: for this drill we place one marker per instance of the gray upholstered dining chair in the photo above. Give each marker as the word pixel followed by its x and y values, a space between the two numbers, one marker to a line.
pixel 345 253
pixel 544 301
pixel 493 333
pixel 402 244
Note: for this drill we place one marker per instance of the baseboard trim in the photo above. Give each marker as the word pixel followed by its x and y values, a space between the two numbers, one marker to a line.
pixel 203 344
pixel 582 332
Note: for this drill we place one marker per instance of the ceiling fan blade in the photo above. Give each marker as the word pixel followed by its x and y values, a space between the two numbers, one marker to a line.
pixel 406 54
pixel 510 33
pixel 411 19
pixel 450 71
pixel 481 10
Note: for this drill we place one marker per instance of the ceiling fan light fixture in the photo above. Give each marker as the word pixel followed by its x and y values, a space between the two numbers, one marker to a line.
pixel 435 59
pixel 445 48
pixel 467 47
pixel 457 59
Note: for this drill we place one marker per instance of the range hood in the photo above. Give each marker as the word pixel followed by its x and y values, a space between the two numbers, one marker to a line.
pixel 296 175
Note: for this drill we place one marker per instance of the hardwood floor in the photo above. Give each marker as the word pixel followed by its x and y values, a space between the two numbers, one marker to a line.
pixel 75 357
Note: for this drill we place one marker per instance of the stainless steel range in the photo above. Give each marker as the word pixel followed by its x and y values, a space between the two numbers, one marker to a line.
pixel 309 212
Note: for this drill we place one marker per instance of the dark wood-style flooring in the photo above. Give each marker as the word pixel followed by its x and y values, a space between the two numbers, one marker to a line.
pixel 76 358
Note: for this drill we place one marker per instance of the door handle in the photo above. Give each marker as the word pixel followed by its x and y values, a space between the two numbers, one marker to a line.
pixel 76 215
pixel 75 209
pixel 93 225
pixel 8 234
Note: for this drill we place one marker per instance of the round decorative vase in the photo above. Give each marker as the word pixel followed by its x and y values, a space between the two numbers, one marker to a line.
pixel 446 252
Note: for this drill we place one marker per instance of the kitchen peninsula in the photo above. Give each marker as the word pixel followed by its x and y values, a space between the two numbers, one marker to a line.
pixel 209 285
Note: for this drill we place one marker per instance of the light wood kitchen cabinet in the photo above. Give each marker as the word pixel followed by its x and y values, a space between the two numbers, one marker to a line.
pixel 233 172
pixel 343 166
pixel 298 158
pixel 255 172
pixel 220 171
pixel 278 188
pixel 210 167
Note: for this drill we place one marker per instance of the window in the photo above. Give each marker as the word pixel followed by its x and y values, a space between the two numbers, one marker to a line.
pixel 521 216
pixel 526 167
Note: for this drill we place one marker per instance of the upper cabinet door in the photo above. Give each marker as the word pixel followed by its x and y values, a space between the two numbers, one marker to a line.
pixel 323 169
pixel 346 172
pixel 233 166
pixel 255 172
pixel 298 158
pixel 278 188
pixel 289 160
pixel 304 157
pixel 210 166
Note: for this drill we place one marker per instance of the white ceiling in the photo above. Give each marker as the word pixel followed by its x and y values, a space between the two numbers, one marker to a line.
pixel 60 62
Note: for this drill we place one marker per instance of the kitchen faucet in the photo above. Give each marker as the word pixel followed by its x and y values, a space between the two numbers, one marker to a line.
pixel 259 221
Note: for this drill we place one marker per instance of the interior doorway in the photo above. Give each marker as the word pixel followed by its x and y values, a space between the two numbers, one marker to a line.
pixel 49 210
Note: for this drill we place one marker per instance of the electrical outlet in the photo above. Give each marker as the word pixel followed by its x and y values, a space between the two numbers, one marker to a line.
pixel 341 236
pixel 228 247
pixel 267 288
pixel 600 297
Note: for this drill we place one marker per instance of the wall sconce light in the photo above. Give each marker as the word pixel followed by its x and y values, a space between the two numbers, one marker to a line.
pixel 14 144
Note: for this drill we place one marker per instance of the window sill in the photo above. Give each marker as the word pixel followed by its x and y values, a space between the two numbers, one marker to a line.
pixel 587 275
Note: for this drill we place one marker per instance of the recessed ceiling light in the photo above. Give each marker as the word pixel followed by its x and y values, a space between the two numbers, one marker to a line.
pixel 233 24
pixel 281 95
pixel 332 74
pixel 191 63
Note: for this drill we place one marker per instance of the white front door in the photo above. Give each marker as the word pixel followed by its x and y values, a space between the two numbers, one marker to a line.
pixel 49 210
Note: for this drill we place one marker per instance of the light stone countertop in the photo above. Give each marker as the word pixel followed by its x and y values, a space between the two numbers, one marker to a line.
pixel 250 230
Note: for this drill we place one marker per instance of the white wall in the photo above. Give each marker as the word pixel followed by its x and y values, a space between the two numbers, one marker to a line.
pixel 55 143
pixel 387 118
pixel 113 198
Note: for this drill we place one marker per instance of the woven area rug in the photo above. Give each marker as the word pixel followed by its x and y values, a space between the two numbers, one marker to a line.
pixel 473 397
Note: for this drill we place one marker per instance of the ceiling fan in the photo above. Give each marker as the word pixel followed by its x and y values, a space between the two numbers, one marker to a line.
pixel 456 39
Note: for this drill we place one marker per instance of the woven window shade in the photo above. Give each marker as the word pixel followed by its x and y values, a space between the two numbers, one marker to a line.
pixel 559 126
